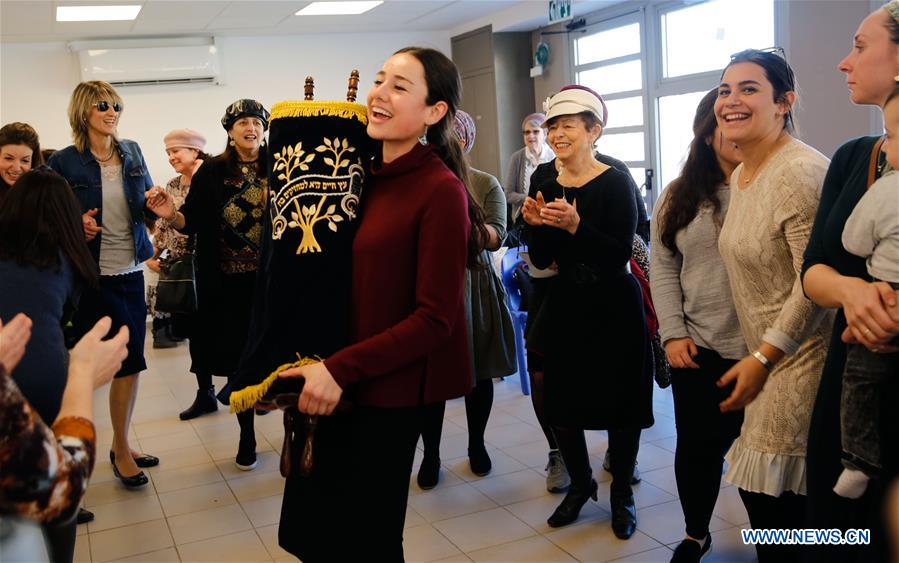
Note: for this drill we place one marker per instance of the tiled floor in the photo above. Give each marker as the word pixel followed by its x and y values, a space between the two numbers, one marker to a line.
pixel 199 507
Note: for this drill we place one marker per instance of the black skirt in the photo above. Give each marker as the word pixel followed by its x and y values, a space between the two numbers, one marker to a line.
pixel 598 362
pixel 220 333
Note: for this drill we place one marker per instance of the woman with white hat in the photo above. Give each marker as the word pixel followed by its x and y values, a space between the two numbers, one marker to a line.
pixel 598 373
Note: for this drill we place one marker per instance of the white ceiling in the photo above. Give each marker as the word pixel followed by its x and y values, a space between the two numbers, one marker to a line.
pixel 35 20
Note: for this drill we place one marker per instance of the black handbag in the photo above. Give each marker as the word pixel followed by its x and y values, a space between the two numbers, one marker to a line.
pixel 176 291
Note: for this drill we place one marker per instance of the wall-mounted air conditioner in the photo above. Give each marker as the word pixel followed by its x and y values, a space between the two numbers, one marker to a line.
pixel 140 62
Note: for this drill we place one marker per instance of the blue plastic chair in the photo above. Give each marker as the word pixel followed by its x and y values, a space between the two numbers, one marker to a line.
pixel 511 261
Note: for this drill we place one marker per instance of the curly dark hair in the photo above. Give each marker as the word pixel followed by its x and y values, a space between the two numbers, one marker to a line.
pixel 699 179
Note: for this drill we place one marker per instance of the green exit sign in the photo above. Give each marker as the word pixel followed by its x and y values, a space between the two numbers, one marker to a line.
pixel 559 11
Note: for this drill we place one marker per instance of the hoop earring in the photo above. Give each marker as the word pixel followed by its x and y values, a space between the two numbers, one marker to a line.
pixel 231 142
pixel 423 140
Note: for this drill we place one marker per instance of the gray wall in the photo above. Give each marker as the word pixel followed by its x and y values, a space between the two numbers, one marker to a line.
pixel 817 36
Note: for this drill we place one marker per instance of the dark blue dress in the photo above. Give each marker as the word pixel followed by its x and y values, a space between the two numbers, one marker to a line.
pixel 42 295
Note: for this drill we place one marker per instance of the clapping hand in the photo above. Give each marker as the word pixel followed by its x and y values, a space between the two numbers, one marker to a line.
pixel 13 338
pixel 532 208
pixel 95 359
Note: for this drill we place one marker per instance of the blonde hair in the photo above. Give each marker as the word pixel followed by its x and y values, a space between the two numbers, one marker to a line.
pixel 83 99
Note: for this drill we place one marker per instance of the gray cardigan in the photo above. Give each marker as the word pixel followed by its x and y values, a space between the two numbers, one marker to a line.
pixel 514 186
pixel 690 288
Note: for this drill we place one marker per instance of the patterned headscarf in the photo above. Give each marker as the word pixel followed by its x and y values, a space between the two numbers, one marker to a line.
pixel 893 9
pixel 245 107
pixel 464 128
pixel 535 118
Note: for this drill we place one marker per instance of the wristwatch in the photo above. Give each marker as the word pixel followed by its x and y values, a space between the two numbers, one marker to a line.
pixel 763 360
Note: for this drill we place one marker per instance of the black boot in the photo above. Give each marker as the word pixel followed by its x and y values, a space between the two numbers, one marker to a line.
pixel 574 500
pixel 203 404
pixel 161 335
pixel 624 515
pixel 170 332
pixel 429 473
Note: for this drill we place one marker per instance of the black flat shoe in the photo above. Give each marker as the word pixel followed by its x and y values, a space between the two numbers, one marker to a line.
pixel 624 516
pixel 131 482
pixel 84 516
pixel 570 509
pixel 690 551
pixel 429 473
pixel 143 461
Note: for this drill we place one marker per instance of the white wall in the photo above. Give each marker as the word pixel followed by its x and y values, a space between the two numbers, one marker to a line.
pixel 36 80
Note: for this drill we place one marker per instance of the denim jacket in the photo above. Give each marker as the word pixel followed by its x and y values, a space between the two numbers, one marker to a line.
pixel 82 171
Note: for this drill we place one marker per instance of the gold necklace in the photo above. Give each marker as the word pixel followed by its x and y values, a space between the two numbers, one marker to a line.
pixel 751 177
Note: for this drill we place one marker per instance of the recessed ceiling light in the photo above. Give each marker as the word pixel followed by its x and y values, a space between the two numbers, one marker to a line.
pixel 338 8
pixel 96 13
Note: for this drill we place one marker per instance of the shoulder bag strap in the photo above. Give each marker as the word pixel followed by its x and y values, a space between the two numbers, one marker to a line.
pixel 872 167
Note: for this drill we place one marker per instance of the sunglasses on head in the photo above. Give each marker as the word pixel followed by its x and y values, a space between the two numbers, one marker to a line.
pixel 104 106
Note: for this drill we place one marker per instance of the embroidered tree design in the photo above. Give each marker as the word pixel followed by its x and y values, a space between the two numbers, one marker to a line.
pixel 338 149
pixel 289 159
pixel 306 217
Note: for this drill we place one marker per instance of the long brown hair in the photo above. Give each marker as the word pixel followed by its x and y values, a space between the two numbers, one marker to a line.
pixel 40 221
pixel 445 85
pixel 699 179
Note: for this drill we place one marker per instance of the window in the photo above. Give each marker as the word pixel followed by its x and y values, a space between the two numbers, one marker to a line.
pixel 701 37
pixel 675 132
pixel 610 60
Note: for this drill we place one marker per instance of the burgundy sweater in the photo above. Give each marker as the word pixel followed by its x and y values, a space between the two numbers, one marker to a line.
pixel 409 259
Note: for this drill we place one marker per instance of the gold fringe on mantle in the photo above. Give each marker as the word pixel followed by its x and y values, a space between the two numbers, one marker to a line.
pixel 247 397
pixel 303 108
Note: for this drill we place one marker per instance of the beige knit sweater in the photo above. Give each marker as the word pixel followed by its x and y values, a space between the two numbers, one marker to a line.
pixel 762 242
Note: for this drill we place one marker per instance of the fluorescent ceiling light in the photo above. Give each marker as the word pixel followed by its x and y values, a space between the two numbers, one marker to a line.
pixel 96 13
pixel 338 8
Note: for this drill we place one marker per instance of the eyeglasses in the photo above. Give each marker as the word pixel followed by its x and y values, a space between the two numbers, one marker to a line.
pixel 746 56
pixel 103 106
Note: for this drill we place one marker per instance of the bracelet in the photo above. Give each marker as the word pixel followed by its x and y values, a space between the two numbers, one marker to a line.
pixel 766 363
pixel 173 220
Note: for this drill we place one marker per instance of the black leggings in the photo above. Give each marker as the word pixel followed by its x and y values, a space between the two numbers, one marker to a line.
pixel 704 435
pixel 539 406
pixel 767 512
pixel 623 447
pixel 477 411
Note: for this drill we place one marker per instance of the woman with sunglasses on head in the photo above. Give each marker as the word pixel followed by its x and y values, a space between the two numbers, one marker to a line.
pixel 20 151
pixel 224 210
pixel 774 196
pixel 597 372
pixel 109 177
pixel 836 278
pixel 697 319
